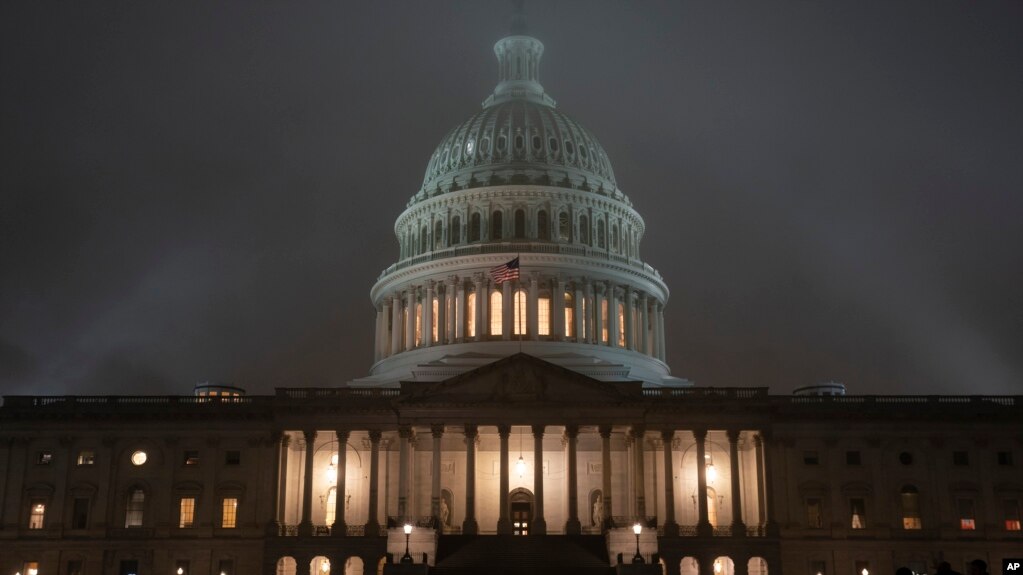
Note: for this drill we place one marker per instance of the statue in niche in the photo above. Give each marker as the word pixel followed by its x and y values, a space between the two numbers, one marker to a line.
pixel 445 513
pixel 598 510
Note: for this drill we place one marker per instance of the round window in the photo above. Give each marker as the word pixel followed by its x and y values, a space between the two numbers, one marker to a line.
pixel 906 458
pixel 138 458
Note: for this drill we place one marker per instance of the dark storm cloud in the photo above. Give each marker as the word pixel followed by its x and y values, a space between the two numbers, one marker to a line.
pixel 196 191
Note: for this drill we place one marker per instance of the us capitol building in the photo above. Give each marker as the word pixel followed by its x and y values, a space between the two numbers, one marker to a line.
pixel 528 425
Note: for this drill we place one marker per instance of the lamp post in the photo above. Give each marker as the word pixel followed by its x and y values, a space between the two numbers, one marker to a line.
pixel 637 529
pixel 407 558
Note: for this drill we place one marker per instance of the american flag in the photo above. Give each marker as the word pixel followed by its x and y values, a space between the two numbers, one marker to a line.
pixel 505 272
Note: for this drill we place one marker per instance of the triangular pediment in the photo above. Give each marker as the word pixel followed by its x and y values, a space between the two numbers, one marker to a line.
pixel 520 379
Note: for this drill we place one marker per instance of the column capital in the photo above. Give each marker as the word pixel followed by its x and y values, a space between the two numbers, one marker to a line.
pixel 437 429
pixel 605 430
pixel 601 288
pixel 534 277
pixel 452 280
pixel 309 435
pixel 571 431
pixel 700 434
pixel 538 430
pixel 504 430
pixel 667 435
pixel 637 432
pixel 428 284
pixel 477 277
pixel 342 435
pixel 375 435
pixel 405 431
pixel 733 435
pixel 472 431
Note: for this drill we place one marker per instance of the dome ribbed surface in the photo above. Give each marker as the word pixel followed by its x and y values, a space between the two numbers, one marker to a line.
pixel 518 142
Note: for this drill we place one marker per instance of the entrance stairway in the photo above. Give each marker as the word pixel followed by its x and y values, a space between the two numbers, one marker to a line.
pixel 522 555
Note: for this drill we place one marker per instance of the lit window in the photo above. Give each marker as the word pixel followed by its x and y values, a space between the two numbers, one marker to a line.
pixel 229 516
pixel 967 520
pixel 564 227
pixel 520 312
pixel 419 324
pixel 496 314
pixel 470 313
pixel 858 508
pixel 136 507
pixel 544 315
pixel 910 508
pixel 191 458
pixel 1011 508
pixel 603 321
pixel 35 518
pixel 813 513
pixel 186 515
pixel 569 315
pixel 621 325
pixel 86 458
pixel 434 327
pixel 31 568
pixel 44 458
pixel 139 458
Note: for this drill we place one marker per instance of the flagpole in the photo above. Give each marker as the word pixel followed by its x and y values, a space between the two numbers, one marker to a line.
pixel 517 256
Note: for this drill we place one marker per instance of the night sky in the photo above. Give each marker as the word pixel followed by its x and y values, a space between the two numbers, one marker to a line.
pixel 206 190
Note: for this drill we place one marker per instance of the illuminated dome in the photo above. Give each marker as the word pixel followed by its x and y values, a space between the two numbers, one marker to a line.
pixel 519 180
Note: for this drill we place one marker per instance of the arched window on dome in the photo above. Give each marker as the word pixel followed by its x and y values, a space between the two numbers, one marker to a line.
pixel 584 229
pixel 455 232
pixel 496 314
pixel 520 224
pixel 135 509
pixel 438 235
pixel 543 226
pixel 614 238
pixel 519 313
pixel 474 227
pixel 544 315
pixel 496 225
pixel 569 314
pixel 601 234
pixel 564 227
pixel 470 314
pixel 424 243
pixel 621 325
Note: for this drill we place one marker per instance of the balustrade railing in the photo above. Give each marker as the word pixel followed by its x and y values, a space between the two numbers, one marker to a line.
pixel 755 531
pixel 288 530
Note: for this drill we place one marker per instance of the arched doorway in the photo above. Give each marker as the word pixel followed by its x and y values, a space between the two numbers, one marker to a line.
pixel 520 509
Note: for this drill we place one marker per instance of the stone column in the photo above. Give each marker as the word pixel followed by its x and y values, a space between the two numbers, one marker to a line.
pixel 598 314
pixel 644 326
pixel 426 323
pixel 763 459
pixel 612 315
pixel 410 318
pixel 404 433
pixel 580 330
pixel 282 486
pixel 340 527
pixel 534 305
pixel 481 306
pixel 605 472
pixel 630 324
pixel 591 310
pixel 670 527
pixel 659 331
pixel 395 323
pixel 738 527
pixel 504 526
pixel 460 320
pixel 373 522
pixel 305 528
pixel 442 315
pixel 378 341
pixel 453 304
pixel 507 310
pixel 638 434
pixel 469 526
pixel 558 301
pixel 572 526
pixel 438 433
pixel 539 526
pixel 703 526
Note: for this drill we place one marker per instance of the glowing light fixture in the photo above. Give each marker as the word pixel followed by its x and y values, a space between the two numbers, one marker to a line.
pixel 407 558
pixel 181 571
pixel 325 566
pixel 520 467
pixel 717 566
pixel 864 572
pixel 332 470
pixel 637 529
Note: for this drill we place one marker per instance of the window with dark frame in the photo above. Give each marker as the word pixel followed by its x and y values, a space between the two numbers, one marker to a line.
pixel 811 458
pixel 1005 458
pixel 233 457
pixel 853 458
pixel 80 513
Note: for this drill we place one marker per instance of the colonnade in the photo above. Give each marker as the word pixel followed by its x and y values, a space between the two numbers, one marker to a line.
pixel 535 307
pixel 636 437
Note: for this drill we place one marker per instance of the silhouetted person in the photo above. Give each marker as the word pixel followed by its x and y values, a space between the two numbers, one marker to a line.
pixel 978 567
pixel 945 568
pixel 903 571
